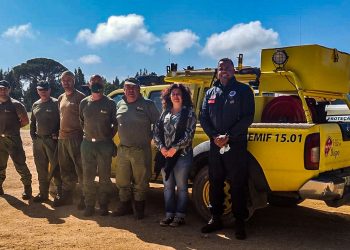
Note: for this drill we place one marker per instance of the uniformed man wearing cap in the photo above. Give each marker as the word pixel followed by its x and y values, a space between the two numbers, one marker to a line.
pixel 135 116
pixel 69 140
pixel 44 127
pixel 98 119
pixel 13 116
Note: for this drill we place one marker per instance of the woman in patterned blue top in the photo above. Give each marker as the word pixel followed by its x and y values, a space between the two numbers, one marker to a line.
pixel 173 135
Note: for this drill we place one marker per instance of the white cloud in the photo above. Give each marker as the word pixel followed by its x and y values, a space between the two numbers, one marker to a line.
pixel 248 39
pixel 65 41
pixel 129 29
pixel 90 59
pixel 19 32
pixel 178 42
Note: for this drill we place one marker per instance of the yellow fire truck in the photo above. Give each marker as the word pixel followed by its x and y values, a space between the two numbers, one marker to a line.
pixel 295 152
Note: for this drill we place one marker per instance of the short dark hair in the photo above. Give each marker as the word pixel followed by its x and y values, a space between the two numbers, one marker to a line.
pixel 226 59
pixel 186 96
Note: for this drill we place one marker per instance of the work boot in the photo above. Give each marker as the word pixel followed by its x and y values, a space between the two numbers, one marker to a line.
pixel 240 233
pixel 214 224
pixel 65 199
pixel 1 191
pixel 89 211
pixel 41 198
pixel 27 194
pixel 81 204
pixel 124 208
pixel 103 209
pixel 139 210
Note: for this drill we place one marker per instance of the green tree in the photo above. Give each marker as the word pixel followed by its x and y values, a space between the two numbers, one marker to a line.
pixel 79 79
pixel 116 82
pixel 108 88
pixel 1 75
pixel 35 70
pixel 16 86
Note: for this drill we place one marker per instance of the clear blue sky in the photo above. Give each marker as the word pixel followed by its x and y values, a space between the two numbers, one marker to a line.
pixel 117 38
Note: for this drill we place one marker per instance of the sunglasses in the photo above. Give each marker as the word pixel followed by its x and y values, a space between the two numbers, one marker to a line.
pixel 41 90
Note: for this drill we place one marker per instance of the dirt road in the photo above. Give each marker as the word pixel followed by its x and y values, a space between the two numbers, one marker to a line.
pixel 27 225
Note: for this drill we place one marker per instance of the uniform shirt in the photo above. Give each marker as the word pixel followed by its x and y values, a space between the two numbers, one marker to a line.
pixel 98 118
pixel 69 115
pixel 45 118
pixel 135 121
pixel 170 122
pixel 10 111
pixel 228 110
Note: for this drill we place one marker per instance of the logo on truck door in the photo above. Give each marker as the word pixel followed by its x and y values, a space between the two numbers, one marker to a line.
pixel 331 147
pixel 328 146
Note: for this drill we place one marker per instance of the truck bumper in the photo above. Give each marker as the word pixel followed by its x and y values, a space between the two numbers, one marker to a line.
pixel 326 188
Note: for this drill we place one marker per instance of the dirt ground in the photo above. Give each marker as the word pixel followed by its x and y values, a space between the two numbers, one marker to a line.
pixel 27 225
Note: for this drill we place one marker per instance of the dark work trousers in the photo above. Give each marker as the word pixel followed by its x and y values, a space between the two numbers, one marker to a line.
pixel 97 158
pixel 12 146
pixel 231 166
pixel 45 153
pixel 69 159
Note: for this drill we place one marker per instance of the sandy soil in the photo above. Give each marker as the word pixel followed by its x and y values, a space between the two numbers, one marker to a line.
pixel 27 225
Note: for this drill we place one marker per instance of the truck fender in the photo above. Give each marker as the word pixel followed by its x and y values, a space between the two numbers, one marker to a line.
pixel 201 148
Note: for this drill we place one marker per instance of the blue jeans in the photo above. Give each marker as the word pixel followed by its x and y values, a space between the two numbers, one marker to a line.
pixel 179 178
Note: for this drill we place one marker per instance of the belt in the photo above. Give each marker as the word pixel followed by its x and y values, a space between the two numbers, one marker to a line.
pixel 4 136
pixel 91 139
pixel 47 136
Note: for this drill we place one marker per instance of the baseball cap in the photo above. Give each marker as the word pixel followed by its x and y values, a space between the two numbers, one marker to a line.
pixel 4 84
pixel 132 81
pixel 42 85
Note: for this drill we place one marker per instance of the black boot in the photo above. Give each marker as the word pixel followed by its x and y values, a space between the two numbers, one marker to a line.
pixel 103 209
pixel 89 211
pixel 65 199
pixel 240 229
pixel 124 208
pixel 214 224
pixel 1 191
pixel 41 198
pixel 139 210
pixel 81 204
pixel 27 194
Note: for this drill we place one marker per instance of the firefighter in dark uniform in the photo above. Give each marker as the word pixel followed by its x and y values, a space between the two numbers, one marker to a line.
pixel 44 127
pixel 13 116
pixel 97 114
pixel 227 112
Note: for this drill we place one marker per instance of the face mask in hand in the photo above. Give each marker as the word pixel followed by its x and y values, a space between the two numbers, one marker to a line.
pixel 96 88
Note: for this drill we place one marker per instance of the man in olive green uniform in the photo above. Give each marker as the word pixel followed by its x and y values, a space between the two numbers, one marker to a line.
pixel 98 119
pixel 69 140
pixel 13 116
pixel 44 126
pixel 135 117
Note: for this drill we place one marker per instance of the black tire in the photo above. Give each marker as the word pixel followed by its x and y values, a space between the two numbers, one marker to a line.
pixel 200 195
pixel 284 201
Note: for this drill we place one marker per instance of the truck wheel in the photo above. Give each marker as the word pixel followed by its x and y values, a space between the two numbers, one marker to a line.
pixel 200 195
pixel 284 201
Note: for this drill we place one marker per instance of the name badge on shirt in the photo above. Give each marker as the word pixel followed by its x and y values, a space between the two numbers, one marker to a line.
pixel 48 110
pixel 139 108
pixel 103 111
